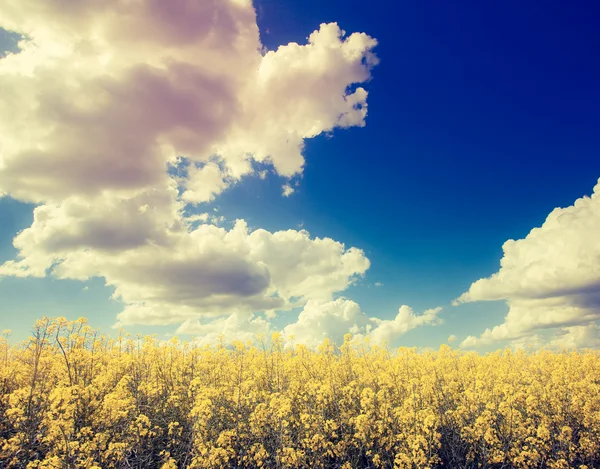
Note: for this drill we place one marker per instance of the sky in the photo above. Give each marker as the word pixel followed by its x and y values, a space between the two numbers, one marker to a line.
pixel 415 173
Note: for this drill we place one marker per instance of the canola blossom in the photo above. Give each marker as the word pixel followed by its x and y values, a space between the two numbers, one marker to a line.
pixel 71 397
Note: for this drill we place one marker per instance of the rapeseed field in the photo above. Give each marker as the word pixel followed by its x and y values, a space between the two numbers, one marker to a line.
pixel 71 397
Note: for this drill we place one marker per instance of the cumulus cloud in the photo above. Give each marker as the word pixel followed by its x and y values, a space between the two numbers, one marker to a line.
pixel 550 279
pixel 106 224
pixel 565 338
pixel 172 275
pixel 406 319
pixel 235 327
pixel 318 321
pixel 204 183
pixel 106 93
pixel 198 218
pixel 332 320
pixel 587 336
pixel 287 190
pixel 105 97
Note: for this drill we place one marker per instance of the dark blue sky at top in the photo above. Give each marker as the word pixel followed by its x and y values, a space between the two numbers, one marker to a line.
pixel 483 117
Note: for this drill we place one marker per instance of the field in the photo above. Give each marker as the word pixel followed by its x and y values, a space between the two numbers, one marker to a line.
pixel 72 398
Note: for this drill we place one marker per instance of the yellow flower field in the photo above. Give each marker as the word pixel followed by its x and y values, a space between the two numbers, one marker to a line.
pixel 72 398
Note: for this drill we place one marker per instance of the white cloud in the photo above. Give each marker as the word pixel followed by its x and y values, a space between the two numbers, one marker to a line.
pixel 327 320
pixel 302 91
pixel 236 327
pixel 334 319
pixel 287 190
pixel 105 225
pixel 198 217
pixel 317 321
pixel 587 336
pixel 108 94
pixel 550 279
pixel 178 273
pixel 406 320
pixel 565 338
pixel 203 184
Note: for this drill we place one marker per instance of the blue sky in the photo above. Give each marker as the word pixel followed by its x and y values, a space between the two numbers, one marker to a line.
pixel 482 119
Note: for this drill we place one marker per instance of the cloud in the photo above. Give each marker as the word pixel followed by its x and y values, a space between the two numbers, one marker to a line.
pixel 318 321
pixel 171 275
pixel 105 94
pixel 106 97
pixel 587 336
pixel 550 279
pixel 287 190
pixel 204 183
pixel 334 319
pixel 406 320
pixel 236 327
pixel 107 224
pixel 302 91
pixel 198 217
pixel 565 338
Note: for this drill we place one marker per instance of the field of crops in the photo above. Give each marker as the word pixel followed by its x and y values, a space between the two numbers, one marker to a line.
pixel 72 398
